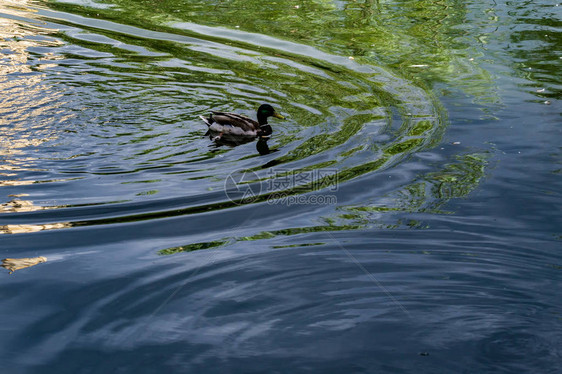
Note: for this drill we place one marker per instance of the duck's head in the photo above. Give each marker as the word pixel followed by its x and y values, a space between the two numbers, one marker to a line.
pixel 265 111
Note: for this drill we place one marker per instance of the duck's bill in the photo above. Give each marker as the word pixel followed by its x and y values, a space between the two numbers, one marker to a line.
pixel 277 115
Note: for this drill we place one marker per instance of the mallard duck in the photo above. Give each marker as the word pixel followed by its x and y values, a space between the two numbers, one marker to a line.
pixel 236 126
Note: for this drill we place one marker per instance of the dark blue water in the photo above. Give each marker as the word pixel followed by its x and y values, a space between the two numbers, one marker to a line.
pixel 406 218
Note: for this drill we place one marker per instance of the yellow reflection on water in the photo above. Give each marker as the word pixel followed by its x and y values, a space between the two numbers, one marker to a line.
pixel 22 229
pixel 13 264
pixel 25 99
pixel 18 206
pixel 15 183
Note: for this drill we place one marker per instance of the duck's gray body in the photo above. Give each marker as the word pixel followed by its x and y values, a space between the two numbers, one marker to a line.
pixel 238 128
pixel 232 124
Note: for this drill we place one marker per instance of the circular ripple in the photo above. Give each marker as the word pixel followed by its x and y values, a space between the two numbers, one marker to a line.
pixel 110 117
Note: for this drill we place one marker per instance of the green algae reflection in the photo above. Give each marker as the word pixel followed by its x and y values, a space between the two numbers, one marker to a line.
pixel 428 194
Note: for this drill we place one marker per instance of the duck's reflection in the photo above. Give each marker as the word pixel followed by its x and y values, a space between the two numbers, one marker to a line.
pixel 261 145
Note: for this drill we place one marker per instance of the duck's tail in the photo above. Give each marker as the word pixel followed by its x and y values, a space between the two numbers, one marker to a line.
pixel 208 120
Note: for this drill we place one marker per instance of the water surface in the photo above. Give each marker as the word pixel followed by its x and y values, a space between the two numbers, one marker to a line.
pixel 405 219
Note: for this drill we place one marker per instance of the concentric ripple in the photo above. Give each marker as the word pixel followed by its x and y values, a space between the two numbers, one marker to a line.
pixel 109 115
